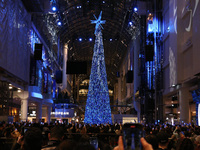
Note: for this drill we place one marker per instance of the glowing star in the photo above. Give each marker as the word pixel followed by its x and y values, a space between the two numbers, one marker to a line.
pixel 98 22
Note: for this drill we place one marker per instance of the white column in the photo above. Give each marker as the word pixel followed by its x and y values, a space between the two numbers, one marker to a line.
pixel 24 104
pixel 128 85
pixel 24 109
pixel 48 114
pixel 184 104
pixel 65 51
pixel 39 112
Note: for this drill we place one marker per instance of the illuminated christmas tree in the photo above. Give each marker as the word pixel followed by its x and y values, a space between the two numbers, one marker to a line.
pixel 97 109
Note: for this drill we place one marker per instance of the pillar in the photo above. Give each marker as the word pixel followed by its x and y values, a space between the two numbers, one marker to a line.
pixel 184 104
pixel 128 85
pixel 136 49
pixel 64 79
pixel 24 109
pixel 119 94
pixel 78 86
pixel 24 95
pixel 119 90
pixel 39 112
pixel 49 114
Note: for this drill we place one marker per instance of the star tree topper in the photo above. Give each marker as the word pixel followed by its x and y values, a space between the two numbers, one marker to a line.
pixel 98 22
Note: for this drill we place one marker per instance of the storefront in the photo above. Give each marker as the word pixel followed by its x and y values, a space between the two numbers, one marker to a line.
pixel 64 113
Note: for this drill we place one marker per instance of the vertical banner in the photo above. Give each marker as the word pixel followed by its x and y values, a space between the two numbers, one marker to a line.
pixel 32 80
pixel 45 82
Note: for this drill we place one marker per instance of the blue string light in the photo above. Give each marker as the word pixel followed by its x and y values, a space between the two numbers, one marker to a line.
pixel 98 109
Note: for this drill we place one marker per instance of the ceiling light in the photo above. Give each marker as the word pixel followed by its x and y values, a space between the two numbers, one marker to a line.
pixel 135 9
pixel 59 23
pixel 80 39
pixel 130 23
pixel 90 39
pixel 54 8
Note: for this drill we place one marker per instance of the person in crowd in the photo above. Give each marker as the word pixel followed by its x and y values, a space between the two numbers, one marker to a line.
pixel 172 143
pixel 145 144
pixel 31 140
pixel 84 146
pixel 67 145
pixel 163 140
pixel 103 145
pixel 56 135
pixel 186 144
pixel 197 142
pixel 152 139
pixel 16 133
pixel 106 134
pixel 7 131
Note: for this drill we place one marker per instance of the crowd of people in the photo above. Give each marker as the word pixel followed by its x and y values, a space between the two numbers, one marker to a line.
pixel 77 136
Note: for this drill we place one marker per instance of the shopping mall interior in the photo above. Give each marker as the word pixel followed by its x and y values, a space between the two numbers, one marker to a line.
pixel 149 62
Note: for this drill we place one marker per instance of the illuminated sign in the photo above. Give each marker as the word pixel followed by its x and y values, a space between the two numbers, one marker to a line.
pixel 60 113
pixel 37 95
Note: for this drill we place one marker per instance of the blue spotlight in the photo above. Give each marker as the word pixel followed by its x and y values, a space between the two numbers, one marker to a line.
pixel 110 39
pixel 80 39
pixel 130 23
pixel 135 9
pixel 90 39
pixel 54 8
pixel 59 23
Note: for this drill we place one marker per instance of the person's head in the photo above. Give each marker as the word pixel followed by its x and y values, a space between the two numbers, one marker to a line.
pixel 84 146
pixel 104 146
pixel 66 144
pixel 7 132
pixel 163 138
pixel 197 139
pixel 186 144
pixel 56 133
pixel 151 139
pixel 33 139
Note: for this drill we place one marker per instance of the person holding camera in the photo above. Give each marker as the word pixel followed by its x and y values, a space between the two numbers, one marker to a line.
pixel 31 140
pixel 145 145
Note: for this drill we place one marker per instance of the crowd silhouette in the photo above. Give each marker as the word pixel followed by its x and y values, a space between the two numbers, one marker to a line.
pixel 77 136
